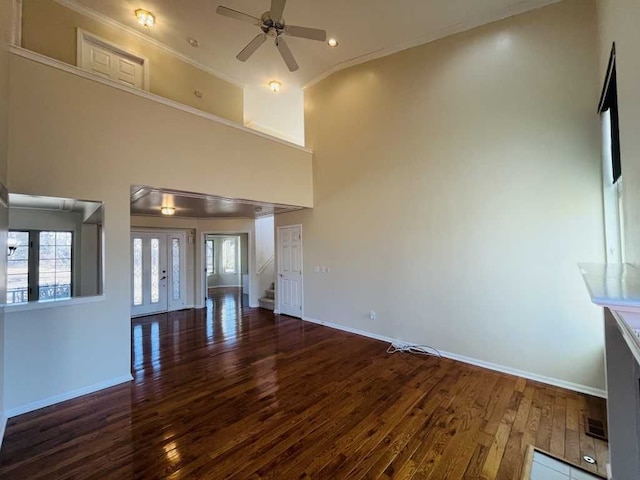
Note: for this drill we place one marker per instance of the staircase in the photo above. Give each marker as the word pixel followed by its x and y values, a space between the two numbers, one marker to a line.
pixel 268 302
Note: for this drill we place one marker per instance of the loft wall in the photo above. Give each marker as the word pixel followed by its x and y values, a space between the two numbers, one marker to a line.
pixel 50 29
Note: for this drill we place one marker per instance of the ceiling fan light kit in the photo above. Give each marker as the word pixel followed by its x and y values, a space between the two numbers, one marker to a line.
pixel 273 25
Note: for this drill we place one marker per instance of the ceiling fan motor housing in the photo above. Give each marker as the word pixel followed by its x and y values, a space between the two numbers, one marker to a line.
pixel 270 26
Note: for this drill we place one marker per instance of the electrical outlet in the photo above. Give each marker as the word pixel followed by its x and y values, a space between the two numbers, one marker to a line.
pixel 372 315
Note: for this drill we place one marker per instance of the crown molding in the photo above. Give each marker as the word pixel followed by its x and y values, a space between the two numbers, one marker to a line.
pixel 521 7
pixel 100 17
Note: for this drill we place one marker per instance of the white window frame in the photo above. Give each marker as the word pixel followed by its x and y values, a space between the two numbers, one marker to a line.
pixel 33 265
pixel 83 36
pixel 211 271
pixel 612 199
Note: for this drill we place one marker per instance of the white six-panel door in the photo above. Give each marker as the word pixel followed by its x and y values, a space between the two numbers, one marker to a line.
pixel 290 270
pixel 158 273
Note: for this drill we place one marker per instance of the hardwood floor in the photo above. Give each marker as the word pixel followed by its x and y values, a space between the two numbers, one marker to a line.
pixel 232 393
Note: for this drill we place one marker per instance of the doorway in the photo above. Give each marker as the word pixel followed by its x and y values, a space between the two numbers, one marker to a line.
pixel 158 272
pixel 227 264
pixel 290 293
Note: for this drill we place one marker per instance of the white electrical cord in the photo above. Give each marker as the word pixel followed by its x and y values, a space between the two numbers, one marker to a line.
pixel 416 349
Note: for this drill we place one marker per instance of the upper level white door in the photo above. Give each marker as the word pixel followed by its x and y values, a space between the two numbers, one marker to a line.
pixel 104 60
pixel 290 270
pixel 158 272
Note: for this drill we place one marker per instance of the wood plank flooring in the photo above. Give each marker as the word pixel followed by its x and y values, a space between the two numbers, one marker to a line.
pixel 237 393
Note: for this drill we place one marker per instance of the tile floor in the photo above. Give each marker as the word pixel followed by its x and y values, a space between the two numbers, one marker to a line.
pixel 548 468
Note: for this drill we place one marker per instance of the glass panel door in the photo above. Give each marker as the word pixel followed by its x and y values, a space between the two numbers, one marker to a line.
pixel 177 271
pixel 149 275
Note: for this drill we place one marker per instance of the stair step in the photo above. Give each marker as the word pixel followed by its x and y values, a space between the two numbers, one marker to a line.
pixel 267 303
pixel 270 293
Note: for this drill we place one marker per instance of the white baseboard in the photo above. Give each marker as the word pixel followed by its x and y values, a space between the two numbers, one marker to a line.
pixel 30 407
pixel 596 392
pixel 3 427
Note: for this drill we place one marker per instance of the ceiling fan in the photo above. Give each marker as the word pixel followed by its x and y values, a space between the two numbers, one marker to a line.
pixel 273 25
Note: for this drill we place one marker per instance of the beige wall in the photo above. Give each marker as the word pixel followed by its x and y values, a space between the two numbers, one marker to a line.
pixel 80 139
pixel 6 27
pixel 50 29
pixel 457 185
pixel 619 22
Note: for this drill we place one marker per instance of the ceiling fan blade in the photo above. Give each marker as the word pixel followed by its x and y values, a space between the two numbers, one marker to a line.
pixel 306 32
pixel 228 12
pixel 287 56
pixel 277 8
pixel 251 47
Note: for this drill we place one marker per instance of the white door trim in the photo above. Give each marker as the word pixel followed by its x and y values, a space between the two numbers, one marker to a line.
pixel 83 36
pixel 277 283
pixel 253 281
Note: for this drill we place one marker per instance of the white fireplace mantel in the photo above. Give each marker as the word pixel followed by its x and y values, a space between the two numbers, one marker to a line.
pixel 617 287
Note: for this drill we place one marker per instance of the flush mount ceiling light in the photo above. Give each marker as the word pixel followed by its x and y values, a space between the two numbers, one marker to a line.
pixel 145 18
pixel 193 42
pixel 168 210
pixel 332 42
pixel 275 85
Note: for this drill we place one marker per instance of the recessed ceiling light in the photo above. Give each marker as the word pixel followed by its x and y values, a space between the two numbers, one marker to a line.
pixel 145 18
pixel 168 210
pixel 332 42
pixel 193 42
pixel 275 85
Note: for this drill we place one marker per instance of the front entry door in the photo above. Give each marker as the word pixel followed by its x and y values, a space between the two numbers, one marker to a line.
pixel 158 272
pixel 290 270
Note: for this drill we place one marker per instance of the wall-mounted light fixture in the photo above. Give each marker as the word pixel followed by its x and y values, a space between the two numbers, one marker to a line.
pixel 275 86
pixel 168 210
pixel 145 18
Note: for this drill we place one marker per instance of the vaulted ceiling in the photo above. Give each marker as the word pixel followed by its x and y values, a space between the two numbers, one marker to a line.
pixel 365 29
